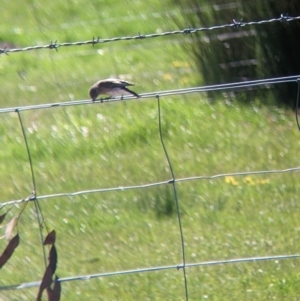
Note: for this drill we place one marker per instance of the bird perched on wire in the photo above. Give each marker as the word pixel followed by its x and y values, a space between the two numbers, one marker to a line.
pixel 111 87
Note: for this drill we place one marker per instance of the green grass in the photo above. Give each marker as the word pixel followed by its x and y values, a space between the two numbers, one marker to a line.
pixel 118 144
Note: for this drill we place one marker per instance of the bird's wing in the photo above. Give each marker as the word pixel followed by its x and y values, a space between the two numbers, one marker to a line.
pixel 118 82
pixel 111 83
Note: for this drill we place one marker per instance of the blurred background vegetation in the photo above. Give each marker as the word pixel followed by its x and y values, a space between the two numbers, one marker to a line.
pixel 248 53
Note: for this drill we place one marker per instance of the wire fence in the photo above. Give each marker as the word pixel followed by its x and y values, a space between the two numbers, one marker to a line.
pixel 154 269
pixel 221 87
pixel 33 197
pixel 235 24
pixel 157 95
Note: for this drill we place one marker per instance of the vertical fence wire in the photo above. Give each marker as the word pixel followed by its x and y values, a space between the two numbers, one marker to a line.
pixel 175 197
pixel 38 210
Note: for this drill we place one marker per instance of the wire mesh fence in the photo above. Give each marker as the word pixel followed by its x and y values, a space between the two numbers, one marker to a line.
pixel 171 177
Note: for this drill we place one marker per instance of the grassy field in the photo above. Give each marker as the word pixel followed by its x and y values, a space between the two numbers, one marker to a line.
pixel 118 144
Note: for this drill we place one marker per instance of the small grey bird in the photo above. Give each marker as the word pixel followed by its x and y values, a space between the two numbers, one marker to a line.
pixel 111 87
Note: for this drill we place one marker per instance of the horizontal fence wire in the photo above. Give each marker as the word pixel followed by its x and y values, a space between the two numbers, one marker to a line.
pixel 153 269
pixel 209 88
pixel 149 185
pixel 235 24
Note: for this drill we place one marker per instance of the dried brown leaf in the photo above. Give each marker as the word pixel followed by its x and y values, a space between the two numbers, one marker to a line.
pixel 2 217
pixel 46 282
pixel 10 227
pixel 50 238
pixel 56 290
pixel 47 279
pixel 53 258
pixel 14 242
pixel 49 291
pixel 54 294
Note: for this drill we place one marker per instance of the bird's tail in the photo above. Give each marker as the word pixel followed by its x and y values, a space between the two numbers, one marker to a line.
pixel 131 92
